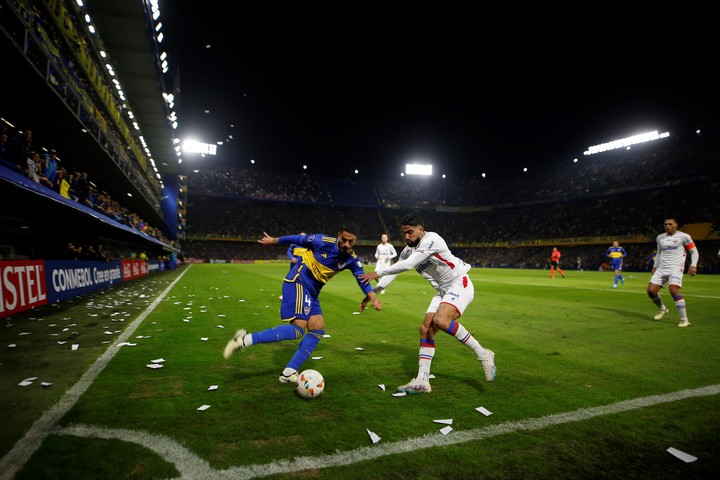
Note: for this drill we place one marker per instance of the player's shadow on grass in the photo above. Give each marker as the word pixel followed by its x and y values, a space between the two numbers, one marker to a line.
pixel 624 314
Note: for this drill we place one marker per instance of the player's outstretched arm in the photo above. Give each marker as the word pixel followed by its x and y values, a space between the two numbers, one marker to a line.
pixel 268 240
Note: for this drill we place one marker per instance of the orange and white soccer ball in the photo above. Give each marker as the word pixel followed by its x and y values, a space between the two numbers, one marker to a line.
pixel 310 384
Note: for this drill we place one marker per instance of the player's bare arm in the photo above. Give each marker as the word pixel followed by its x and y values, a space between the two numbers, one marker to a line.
pixel 268 240
pixel 367 277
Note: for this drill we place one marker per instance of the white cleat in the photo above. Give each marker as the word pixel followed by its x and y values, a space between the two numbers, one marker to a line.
pixel 237 342
pixel 660 314
pixel 415 386
pixel 488 364
pixel 288 376
pixel 684 323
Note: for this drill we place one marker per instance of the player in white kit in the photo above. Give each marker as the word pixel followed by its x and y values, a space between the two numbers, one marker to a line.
pixel 672 248
pixel 384 253
pixel 429 255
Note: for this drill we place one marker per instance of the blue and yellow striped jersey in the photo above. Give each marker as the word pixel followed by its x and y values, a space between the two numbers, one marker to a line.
pixel 616 252
pixel 321 261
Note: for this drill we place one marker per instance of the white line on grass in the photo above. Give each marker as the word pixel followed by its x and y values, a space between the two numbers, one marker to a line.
pixel 192 467
pixel 14 460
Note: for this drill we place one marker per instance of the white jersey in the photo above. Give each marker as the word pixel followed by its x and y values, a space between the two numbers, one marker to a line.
pixel 432 259
pixel 671 251
pixel 384 253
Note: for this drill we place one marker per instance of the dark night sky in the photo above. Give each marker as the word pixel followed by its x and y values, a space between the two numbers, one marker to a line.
pixel 339 91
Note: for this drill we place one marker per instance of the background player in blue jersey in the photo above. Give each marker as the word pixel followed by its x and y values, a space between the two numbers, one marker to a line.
pixel 324 258
pixel 616 254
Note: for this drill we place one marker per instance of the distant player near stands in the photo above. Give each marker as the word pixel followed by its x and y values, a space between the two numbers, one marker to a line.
pixel 384 253
pixel 672 248
pixel 555 263
pixel 616 254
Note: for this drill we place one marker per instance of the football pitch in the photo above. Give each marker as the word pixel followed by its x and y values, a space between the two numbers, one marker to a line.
pixel 588 385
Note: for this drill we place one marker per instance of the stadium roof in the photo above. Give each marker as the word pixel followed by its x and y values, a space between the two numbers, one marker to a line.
pixel 126 32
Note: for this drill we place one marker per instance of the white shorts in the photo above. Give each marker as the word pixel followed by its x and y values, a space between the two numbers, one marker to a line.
pixel 459 295
pixel 667 276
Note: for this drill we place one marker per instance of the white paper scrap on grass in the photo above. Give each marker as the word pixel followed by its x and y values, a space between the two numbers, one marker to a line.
pixel 432 375
pixel 155 365
pixel 373 436
pixel 75 346
pixel 399 394
pixel 27 381
pixel 24 333
pixel 46 384
pixel 382 387
pixel 356 313
pixel 204 339
pixel 446 421
pixel 221 315
pixel 62 342
pixel 203 407
pixel 158 360
pixel 446 430
pixel 186 320
pixel 326 336
pixel 12 345
pixel 220 326
pixel 317 358
pixel 484 411
pixel 213 387
pixel 128 344
pixel 685 457
pixel 359 348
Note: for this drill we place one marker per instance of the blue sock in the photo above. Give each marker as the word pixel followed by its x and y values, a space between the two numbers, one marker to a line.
pixel 617 277
pixel 306 347
pixel 286 331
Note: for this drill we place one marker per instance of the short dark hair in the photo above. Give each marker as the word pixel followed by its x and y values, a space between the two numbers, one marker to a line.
pixel 350 227
pixel 412 219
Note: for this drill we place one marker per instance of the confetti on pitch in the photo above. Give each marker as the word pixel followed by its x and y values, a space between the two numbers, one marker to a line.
pixel 685 457
pixel 373 436
pixel 27 381
pixel 484 411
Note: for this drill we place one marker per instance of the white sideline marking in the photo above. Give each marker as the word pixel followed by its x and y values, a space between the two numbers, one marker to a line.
pixel 26 446
pixel 192 467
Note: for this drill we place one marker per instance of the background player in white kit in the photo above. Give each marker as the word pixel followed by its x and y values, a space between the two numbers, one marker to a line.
pixel 669 267
pixel 430 256
pixel 384 253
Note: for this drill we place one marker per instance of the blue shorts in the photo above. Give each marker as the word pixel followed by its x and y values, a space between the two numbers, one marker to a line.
pixel 297 303
pixel 616 263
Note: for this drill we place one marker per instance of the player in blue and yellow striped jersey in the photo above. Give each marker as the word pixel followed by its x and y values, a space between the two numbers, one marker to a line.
pixel 616 254
pixel 325 257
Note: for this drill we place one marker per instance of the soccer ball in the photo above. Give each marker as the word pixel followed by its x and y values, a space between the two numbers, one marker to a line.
pixel 310 384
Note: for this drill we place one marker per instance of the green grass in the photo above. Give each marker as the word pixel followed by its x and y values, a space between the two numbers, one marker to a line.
pixel 561 345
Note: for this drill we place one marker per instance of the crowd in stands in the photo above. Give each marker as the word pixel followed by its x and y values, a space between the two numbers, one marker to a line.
pixel 21 153
pixel 621 195
pixel 44 46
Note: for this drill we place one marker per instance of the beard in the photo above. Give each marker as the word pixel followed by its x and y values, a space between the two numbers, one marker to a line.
pixel 412 244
